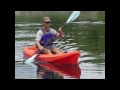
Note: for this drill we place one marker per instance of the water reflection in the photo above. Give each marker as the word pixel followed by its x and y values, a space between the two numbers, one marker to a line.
pixel 43 73
pixel 52 71
pixel 46 71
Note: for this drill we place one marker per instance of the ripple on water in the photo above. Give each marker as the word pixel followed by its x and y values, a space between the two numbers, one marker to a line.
pixel 90 71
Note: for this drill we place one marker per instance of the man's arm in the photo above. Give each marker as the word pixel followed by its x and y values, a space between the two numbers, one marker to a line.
pixel 38 37
pixel 39 46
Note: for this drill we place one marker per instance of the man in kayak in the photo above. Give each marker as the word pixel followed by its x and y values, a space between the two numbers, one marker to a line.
pixel 44 38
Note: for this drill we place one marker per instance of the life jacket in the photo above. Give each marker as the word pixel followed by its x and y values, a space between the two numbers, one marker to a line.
pixel 45 38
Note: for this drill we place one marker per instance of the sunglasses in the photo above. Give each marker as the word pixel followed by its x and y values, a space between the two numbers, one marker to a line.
pixel 46 22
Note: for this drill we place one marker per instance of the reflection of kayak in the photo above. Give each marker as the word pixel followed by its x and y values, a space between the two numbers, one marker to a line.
pixel 72 71
pixel 64 58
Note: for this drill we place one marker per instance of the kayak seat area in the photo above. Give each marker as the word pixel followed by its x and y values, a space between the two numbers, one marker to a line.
pixel 33 49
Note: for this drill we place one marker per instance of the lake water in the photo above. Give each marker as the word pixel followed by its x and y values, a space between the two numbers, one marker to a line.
pixel 86 36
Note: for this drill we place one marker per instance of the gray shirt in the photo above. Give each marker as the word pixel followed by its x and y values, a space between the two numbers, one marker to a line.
pixel 40 33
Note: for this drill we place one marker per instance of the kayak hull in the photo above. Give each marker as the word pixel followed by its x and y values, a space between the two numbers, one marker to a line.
pixel 64 58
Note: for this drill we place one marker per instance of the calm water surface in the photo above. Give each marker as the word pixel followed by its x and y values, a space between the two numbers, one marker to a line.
pixel 86 36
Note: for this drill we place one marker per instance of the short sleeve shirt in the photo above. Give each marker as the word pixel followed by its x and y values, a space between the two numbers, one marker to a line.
pixel 40 33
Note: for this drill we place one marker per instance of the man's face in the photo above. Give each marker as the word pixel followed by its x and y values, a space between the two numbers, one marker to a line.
pixel 47 24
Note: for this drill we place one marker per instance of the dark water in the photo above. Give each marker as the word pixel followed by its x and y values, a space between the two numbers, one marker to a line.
pixel 86 36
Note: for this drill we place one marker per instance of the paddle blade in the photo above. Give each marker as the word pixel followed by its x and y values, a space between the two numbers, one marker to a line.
pixel 73 16
pixel 31 59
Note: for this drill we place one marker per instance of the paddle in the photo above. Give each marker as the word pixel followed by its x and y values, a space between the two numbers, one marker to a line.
pixel 71 18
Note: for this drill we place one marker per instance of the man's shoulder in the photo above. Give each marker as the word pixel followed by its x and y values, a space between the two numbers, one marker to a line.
pixel 40 31
pixel 52 29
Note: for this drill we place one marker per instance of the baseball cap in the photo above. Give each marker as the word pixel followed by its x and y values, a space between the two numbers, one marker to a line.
pixel 46 19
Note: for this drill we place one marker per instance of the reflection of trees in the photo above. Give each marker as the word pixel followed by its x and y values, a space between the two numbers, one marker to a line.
pixel 88 37
pixel 94 40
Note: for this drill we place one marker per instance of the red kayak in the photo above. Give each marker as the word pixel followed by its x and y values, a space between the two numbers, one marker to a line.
pixel 64 58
